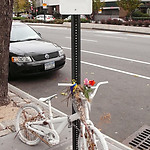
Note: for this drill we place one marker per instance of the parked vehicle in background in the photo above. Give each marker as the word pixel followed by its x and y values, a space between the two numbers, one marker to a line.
pixel 81 17
pixel 119 19
pixel 30 54
pixel 47 17
pixel 29 16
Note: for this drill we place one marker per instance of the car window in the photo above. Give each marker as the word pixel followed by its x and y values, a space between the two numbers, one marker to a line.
pixel 22 33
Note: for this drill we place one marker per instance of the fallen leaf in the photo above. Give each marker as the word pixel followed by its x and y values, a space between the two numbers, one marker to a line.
pixel 65 94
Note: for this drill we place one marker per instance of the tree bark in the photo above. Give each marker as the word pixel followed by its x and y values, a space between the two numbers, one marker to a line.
pixel 6 7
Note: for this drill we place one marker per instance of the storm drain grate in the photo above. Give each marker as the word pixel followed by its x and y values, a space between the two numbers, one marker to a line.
pixel 140 140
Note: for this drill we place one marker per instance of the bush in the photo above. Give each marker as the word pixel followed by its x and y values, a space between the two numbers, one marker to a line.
pixel 127 23
pixel 120 22
pixel 133 23
pixel 141 18
pixel 19 18
pixel 56 21
pixel 103 21
pixel 114 22
pixel 138 13
pixel 146 23
pixel 139 23
pixel 85 20
pixel 109 21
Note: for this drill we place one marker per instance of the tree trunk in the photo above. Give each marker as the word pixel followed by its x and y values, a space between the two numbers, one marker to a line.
pixel 5 26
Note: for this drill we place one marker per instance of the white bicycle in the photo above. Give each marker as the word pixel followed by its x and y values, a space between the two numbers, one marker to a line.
pixel 32 126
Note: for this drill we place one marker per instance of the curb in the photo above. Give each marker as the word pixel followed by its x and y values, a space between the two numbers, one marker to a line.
pixel 104 27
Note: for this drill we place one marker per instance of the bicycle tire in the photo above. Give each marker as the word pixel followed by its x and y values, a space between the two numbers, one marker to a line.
pixel 99 142
pixel 27 113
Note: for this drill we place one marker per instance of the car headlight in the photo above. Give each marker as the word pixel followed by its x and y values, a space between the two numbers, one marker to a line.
pixel 61 52
pixel 21 59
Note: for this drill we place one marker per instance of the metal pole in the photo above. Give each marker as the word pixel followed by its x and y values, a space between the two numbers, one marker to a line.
pixel 76 68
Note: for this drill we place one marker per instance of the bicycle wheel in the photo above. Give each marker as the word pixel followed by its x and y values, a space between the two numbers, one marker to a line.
pixel 92 140
pixel 25 114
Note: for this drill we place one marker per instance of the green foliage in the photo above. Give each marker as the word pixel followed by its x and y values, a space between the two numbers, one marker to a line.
pixel 56 21
pixel 141 18
pixel 19 18
pixel 86 91
pixel 22 5
pixel 83 20
pixel 97 4
pixel 138 13
pixel 129 5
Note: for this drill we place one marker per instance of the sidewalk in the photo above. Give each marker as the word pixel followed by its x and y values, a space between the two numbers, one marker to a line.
pixel 10 141
pixel 7 128
pixel 105 27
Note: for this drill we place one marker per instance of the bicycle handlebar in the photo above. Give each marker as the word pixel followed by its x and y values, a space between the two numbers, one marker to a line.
pixel 65 84
pixel 96 88
pixel 92 87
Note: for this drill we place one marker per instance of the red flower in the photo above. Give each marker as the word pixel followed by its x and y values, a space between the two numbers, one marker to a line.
pixel 91 82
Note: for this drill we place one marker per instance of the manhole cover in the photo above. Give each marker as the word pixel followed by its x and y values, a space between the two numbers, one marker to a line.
pixel 140 140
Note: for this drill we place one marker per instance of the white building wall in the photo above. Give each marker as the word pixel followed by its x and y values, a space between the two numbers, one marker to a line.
pixel 39 3
pixel 48 2
pixel 52 2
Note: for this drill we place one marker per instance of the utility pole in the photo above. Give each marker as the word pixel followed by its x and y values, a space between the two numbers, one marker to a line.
pixel 75 8
pixel 76 68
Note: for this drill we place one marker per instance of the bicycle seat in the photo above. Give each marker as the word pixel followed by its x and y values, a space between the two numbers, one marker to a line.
pixel 43 99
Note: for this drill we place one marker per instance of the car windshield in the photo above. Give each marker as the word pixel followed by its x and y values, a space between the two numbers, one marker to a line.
pixel 23 33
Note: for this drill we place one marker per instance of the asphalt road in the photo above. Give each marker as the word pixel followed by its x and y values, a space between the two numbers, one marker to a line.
pixel 120 107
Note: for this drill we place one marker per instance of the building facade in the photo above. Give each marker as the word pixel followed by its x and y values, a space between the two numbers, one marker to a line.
pixel 111 9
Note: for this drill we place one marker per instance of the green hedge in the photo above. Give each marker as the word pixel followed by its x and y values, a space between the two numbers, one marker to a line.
pixel 141 18
pixel 82 20
pixel 19 18
pixel 56 21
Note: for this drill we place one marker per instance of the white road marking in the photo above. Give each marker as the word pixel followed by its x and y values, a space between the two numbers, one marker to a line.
pixel 50 27
pixel 111 56
pixel 84 39
pixel 112 69
pixel 139 36
pixel 109 36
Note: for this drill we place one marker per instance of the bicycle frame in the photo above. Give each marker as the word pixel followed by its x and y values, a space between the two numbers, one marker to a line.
pixel 46 127
pixel 39 128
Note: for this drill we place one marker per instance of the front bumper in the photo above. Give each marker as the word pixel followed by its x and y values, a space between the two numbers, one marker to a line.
pixel 19 69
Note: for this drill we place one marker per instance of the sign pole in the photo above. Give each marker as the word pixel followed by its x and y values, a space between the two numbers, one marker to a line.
pixel 76 68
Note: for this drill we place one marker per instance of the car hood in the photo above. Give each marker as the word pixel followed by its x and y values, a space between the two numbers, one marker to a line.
pixel 33 47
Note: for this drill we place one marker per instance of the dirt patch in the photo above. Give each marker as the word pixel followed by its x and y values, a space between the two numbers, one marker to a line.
pixel 8 112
